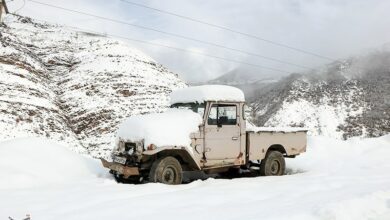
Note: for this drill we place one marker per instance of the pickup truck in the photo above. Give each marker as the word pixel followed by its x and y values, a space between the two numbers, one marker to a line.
pixel 205 129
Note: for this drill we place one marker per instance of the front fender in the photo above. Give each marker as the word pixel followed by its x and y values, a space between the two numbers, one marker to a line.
pixel 186 154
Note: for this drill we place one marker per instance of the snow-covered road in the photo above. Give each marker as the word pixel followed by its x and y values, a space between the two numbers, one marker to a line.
pixel 333 180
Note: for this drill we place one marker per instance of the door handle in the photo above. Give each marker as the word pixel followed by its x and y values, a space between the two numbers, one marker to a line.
pixel 234 138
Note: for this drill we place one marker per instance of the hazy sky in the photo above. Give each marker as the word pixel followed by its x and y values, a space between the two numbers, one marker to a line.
pixel 335 28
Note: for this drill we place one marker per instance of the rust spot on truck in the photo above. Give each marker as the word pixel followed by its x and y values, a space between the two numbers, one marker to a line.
pixel 238 160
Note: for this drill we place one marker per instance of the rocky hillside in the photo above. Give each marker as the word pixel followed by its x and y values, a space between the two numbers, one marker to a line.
pixel 343 100
pixel 72 86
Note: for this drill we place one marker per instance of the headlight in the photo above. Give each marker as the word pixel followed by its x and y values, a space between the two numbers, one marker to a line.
pixel 119 147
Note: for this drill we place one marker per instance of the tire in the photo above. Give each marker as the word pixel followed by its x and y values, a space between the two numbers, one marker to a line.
pixel 131 179
pixel 273 164
pixel 119 179
pixel 166 170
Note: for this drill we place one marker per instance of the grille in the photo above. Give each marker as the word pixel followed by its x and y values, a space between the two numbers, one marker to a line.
pixel 130 146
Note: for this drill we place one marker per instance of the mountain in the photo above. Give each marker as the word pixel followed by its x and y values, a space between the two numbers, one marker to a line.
pixel 343 99
pixel 239 76
pixel 246 79
pixel 74 87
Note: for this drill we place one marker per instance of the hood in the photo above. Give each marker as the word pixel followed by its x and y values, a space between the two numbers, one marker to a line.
pixel 171 128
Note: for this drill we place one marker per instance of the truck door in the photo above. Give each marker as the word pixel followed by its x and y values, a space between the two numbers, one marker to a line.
pixel 222 134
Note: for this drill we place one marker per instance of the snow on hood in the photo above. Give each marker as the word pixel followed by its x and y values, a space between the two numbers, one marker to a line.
pixel 171 128
pixel 207 93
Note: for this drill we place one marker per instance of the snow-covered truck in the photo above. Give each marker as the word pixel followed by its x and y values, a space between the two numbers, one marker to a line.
pixel 205 129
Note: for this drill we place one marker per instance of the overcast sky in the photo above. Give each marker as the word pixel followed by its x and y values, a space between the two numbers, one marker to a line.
pixel 336 29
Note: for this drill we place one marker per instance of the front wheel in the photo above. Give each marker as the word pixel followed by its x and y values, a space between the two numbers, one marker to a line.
pixel 166 170
pixel 273 164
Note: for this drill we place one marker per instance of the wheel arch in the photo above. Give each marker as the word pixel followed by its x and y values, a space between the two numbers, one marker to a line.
pixel 183 156
pixel 277 147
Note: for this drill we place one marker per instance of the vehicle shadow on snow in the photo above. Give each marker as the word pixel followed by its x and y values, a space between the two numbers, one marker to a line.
pixel 190 176
pixel 291 171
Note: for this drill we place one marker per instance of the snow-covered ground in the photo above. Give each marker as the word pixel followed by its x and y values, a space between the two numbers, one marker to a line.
pixel 334 180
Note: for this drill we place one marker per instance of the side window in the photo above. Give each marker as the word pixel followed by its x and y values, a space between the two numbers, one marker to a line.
pixel 223 115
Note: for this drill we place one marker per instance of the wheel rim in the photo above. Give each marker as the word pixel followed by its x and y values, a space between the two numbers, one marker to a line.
pixel 275 167
pixel 169 175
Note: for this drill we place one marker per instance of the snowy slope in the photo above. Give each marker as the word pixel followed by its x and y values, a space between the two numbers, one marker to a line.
pixel 334 179
pixel 73 86
pixel 340 100
pixel 323 115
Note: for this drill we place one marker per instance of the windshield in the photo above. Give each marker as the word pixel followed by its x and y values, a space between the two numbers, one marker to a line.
pixel 195 107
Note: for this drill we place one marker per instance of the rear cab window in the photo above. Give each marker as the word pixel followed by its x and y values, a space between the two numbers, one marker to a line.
pixel 195 107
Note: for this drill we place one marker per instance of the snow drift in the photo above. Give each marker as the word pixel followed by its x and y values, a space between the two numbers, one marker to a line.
pixel 32 162
pixel 171 128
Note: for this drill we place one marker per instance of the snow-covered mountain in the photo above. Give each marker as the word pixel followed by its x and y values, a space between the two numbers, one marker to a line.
pixel 342 100
pixel 239 76
pixel 248 79
pixel 74 87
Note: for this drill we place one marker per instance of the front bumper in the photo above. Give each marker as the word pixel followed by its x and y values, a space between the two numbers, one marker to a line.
pixel 120 169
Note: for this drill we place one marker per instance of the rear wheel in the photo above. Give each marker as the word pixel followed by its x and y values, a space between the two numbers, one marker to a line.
pixel 166 170
pixel 273 164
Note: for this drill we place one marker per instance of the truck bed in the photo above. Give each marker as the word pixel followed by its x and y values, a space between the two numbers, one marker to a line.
pixel 259 139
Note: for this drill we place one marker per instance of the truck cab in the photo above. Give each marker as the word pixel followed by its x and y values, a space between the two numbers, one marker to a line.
pixel 205 129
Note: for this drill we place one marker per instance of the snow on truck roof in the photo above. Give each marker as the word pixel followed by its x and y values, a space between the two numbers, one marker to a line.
pixel 207 93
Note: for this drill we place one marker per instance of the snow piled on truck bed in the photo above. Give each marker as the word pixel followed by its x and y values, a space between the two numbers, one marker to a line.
pixel 171 128
pixel 334 179
pixel 203 93
pixel 253 128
